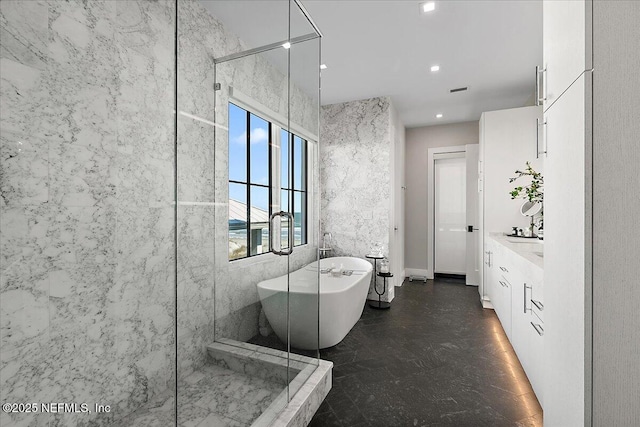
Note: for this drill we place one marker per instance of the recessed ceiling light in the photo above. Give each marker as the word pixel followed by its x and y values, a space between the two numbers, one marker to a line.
pixel 435 68
pixel 323 66
pixel 429 6
pixel 439 116
pixel 287 45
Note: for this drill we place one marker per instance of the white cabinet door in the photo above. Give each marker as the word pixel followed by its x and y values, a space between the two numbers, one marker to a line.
pixel 489 256
pixel 520 315
pixel 564 58
pixel 564 259
pixel 503 291
pixel 535 368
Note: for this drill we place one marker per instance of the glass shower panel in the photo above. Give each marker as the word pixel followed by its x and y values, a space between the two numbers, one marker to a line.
pixel 234 171
pixel 254 87
pixel 304 286
pixel 250 24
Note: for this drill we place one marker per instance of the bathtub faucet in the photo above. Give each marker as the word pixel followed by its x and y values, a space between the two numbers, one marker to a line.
pixel 326 244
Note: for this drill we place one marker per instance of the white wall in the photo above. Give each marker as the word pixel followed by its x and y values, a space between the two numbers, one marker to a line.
pixel 397 259
pixel 509 142
pixel 418 142
pixel 616 155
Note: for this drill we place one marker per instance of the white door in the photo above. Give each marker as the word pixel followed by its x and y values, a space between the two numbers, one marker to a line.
pixel 450 213
pixel 474 250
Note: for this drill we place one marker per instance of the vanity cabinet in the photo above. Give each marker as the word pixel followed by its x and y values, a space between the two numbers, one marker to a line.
pixel 498 288
pixel 515 286
pixel 535 335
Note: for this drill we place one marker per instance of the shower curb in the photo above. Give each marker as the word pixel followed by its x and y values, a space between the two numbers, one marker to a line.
pixel 307 389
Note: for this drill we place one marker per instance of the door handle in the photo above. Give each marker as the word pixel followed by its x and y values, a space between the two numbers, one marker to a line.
pixel 290 233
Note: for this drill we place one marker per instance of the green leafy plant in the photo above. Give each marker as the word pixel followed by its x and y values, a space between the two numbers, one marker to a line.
pixel 532 192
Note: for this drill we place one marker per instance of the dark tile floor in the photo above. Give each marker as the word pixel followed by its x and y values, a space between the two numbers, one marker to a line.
pixel 436 358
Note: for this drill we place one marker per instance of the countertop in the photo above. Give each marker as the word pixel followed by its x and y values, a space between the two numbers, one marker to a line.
pixel 525 248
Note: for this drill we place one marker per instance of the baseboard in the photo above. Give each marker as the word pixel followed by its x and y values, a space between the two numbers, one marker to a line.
pixel 401 277
pixel 486 304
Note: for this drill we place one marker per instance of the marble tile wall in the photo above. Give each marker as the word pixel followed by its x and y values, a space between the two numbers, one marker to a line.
pixel 86 186
pixel 356 176
pixel 87 260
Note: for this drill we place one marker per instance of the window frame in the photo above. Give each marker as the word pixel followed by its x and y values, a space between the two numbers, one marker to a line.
pixel 291 184
pixel 274 170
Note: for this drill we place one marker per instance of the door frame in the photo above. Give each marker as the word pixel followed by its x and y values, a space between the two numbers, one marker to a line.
pixel 431 256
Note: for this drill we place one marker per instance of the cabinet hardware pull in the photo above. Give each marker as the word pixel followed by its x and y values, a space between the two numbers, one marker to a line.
pixel 540 72
pixel 524 303
pixel 504 285
pixel 537 131
pixel 504 269
pixel 544 137
pixel 544 150
pixel 538 304
pixel 538 328
pixel 537 86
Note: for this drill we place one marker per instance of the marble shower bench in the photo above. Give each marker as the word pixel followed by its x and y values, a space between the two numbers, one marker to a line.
pixel 243 385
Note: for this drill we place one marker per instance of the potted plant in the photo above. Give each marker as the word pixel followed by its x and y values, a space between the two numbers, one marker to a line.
pixel 533 192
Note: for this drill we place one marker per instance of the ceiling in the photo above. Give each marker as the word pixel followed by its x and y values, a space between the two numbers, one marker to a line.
pixel 386 48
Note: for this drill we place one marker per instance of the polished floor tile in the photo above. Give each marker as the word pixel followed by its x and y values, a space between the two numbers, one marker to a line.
pixel 436 358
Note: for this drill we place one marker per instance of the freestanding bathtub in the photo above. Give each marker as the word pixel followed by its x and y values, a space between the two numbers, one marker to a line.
pixel 341 302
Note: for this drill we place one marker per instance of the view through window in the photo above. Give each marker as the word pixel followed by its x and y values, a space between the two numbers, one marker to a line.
pixel 254 157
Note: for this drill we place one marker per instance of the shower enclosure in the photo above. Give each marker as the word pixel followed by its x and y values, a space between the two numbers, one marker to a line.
pixel 159 160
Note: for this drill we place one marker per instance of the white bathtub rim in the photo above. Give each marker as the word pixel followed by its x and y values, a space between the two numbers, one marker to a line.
pixel 275 284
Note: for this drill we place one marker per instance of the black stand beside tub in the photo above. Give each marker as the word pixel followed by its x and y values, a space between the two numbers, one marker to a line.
pixel 381 305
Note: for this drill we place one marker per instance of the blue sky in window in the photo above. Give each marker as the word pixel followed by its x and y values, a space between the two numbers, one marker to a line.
pixel 259 152
pixel 237 144
pixel 259 137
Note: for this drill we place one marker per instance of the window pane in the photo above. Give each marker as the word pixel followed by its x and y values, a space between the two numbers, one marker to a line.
pixel 237 221
pixel 299 217
pixel 259 149
pixel 284 200
pixel 259 217
pixel 285 158
pixel 237 143
pixel 299 158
